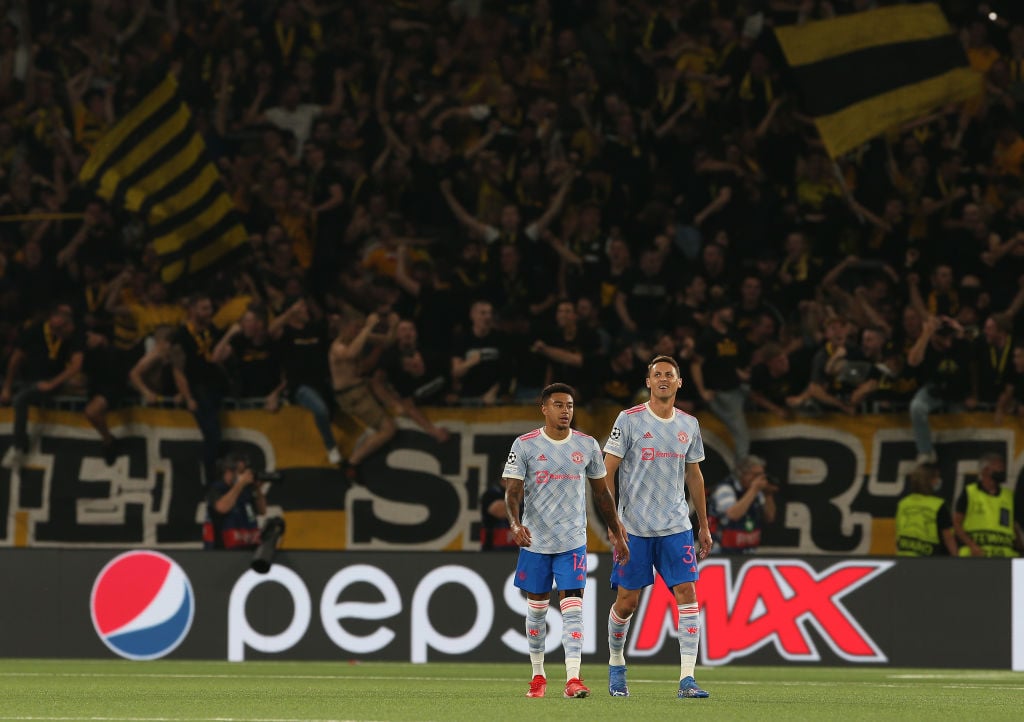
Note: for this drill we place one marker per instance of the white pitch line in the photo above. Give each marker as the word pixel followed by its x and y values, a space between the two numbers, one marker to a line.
pixel 164 719
pixel 958 675
pixel 162 675
pixel 910 678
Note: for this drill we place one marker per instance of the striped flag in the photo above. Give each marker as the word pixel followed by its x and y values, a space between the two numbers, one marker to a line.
pixel 865 73
pixel 153 162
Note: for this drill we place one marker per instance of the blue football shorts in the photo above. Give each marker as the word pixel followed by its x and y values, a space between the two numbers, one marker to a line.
pixel 534 572
pixel 673 556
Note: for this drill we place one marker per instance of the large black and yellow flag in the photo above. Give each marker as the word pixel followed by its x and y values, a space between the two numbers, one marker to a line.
pixel 863 74
pixel 154 162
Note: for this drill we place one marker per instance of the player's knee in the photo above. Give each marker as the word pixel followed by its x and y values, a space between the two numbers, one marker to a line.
pixel 686 593
pixel 626 604
pixel 625 609
pixel 574 593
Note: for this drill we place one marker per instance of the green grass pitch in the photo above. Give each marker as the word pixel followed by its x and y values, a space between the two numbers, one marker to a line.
pixel 449 692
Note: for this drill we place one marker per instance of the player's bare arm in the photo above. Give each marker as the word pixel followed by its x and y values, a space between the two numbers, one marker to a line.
pixel 513 503
pixel 605 502
pixel 695 484
pixel 611 465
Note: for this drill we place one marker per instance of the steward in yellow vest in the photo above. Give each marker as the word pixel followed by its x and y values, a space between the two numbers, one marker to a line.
pixel 924 526
pixel 984 515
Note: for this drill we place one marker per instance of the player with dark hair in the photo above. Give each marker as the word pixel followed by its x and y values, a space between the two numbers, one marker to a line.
pixel 552 533
pixel 658 447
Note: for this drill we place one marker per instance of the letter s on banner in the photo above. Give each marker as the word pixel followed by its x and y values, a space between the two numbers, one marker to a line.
pixel 333 611
pixel 425 637
pixel 240 632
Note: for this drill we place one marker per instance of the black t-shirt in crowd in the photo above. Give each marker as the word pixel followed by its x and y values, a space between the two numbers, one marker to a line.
pixel 197 344
pixel 994 367
pixel 514 294
pixel 304 355
pixel 745 318
pixel 256 365
pixel 46 355
pixel 329 221
pixel 530 367
pixel 494 361
pixel 426 388
pixel 722 355
pixel 647 297
pixel 106 367
pixel 774 389
pixel 433 310
pixel 620 386
pixel 946 373
pixel 833 383
pixel 586 343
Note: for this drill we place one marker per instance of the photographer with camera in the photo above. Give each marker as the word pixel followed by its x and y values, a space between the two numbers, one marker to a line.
pixel 232 506
pixel 740 505
pixel 942 357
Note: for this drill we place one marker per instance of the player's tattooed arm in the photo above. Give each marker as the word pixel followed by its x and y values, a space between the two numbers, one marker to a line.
pixel 605 503
pixel 513 506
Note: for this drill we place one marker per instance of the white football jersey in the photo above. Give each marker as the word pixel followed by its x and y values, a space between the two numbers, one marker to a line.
pixel 654 453
pixel 554 475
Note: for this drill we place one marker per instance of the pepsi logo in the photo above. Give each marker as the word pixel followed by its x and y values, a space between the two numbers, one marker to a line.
pixel 142 605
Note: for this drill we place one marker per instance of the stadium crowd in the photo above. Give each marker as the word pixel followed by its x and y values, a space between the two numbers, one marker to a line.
pixel 460 202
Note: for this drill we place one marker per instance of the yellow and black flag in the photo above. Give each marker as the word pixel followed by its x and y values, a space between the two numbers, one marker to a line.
pixel 863 74
pixel 154 162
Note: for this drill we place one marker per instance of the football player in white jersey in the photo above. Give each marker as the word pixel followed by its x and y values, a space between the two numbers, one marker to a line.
pixel 544 478
pixel 655 447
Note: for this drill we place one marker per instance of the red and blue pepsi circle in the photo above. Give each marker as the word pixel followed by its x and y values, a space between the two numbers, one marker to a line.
pixel 142 605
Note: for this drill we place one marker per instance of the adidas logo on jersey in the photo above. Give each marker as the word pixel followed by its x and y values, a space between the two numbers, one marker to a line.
pixel 542 458
pixel 648 435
